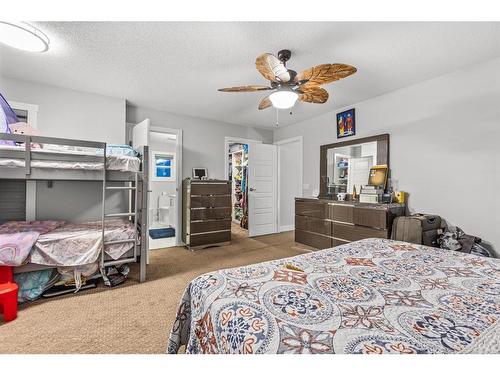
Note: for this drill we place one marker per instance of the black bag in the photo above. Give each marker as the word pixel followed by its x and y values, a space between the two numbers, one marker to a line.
pixel 430 237
pixel 428 222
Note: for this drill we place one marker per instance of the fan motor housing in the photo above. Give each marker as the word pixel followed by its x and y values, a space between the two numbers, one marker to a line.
pixel 284 55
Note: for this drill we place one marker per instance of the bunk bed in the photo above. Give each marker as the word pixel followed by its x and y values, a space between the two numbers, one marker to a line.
pixel 77 160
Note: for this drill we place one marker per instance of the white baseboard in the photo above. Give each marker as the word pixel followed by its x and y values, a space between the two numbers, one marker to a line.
pixel 287 228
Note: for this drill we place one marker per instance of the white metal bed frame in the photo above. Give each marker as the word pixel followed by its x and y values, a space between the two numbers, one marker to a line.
pixel 136 183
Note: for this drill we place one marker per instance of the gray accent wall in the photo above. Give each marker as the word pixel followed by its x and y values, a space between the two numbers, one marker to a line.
pixel 12 202
pixel 444 145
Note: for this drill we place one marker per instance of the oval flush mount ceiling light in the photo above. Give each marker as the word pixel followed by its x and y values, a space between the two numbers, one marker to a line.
pixel 23 36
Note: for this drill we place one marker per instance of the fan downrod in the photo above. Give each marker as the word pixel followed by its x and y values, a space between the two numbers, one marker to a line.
pixel 284 55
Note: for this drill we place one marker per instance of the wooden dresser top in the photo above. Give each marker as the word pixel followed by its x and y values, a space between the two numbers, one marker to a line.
pixel 376 206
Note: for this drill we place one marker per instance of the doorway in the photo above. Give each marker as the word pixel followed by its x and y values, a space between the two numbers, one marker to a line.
pixel 237 173
pixel 290 176
pixel 251 166
pixel 165 175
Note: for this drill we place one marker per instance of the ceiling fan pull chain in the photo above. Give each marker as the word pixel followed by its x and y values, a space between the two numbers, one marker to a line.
pixel 277 117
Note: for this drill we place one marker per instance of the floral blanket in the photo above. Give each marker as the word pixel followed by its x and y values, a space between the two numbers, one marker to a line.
pixel 18 237
pixel 55 243
pixel 81 243
pixel 371 296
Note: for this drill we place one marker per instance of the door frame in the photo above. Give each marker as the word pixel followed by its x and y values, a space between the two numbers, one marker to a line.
pixel 251 169
pixel 227 141
pixel 32 110
pixel 299 139
pixel 178 177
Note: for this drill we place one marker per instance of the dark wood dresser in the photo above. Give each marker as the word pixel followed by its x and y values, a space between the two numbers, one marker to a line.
pixel 206 213
pixel 324 223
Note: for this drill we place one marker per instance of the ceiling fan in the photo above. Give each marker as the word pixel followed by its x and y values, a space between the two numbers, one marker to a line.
pixel 289 86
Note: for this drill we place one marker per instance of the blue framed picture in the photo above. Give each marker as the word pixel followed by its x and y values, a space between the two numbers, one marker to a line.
pixel 346 123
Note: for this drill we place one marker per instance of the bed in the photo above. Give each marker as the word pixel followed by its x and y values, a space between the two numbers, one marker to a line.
pixel 116 167
pixel 372 296
pixel 61 244
pixel 13 157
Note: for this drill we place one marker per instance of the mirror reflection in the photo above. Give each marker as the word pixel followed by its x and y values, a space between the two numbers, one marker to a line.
pixel 349 166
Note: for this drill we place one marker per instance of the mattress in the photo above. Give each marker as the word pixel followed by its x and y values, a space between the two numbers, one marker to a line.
pixel 114 162
pixel 372 296
pixel 80 244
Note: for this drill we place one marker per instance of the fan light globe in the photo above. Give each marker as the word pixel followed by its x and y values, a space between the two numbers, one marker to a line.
pixel 23 36
pixel 283 99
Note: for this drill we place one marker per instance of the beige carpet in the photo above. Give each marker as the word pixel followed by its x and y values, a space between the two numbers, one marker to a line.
pixel 134 317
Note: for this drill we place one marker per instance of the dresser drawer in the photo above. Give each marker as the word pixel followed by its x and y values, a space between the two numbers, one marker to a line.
pixel 311 209
pixel 312 239
pixel 341 212
pixel 211 213
pixel 210 189
pixel 213 201
pixel 370 217
pixel 209 226
pixel 312 224
pixel 209 238
pixel 355 233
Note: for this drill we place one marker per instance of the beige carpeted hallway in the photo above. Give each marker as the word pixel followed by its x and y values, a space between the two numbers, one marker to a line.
pixel 132 318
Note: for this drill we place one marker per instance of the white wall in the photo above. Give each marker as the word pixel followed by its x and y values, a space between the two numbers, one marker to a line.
pixel 71 114
pixel 444 145
pixel 203 140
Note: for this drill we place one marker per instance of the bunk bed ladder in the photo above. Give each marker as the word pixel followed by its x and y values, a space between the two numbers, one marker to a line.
pixel 131 213
pixel 103 216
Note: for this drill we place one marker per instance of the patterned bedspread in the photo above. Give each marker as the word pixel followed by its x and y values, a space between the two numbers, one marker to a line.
pixel 370 296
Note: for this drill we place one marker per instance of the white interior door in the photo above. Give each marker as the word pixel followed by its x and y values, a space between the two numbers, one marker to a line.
pixel 140 134
pixel 140 137
pixel 359 169
pixel 262 189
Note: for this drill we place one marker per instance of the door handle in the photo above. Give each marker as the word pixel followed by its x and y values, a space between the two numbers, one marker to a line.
pixel 252 189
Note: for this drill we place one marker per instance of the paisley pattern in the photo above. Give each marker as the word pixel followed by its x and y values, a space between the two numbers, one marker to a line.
pixel 297 304
pixel 472 306
pixel 248 272
pixel 378 277
pixel 379 344
pixel 443 332
pixel 489 286
pixel 408 266
pixel 243 328
pixel 374 296
pixel 344 288
pixel 295 340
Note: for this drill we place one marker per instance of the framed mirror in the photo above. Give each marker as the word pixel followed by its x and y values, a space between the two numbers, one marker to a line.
pixel 346 165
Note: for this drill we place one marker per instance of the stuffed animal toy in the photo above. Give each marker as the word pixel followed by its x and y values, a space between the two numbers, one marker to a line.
pixel 24 128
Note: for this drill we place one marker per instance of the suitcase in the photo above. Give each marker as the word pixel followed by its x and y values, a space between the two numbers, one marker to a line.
pixel 429 222
pixel 417 229
pixel 407 229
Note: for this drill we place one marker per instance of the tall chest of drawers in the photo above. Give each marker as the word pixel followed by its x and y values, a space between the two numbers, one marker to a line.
pixel 206 213
pixel 323 223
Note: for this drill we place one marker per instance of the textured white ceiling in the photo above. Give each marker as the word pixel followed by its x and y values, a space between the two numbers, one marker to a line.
pixel 177 67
